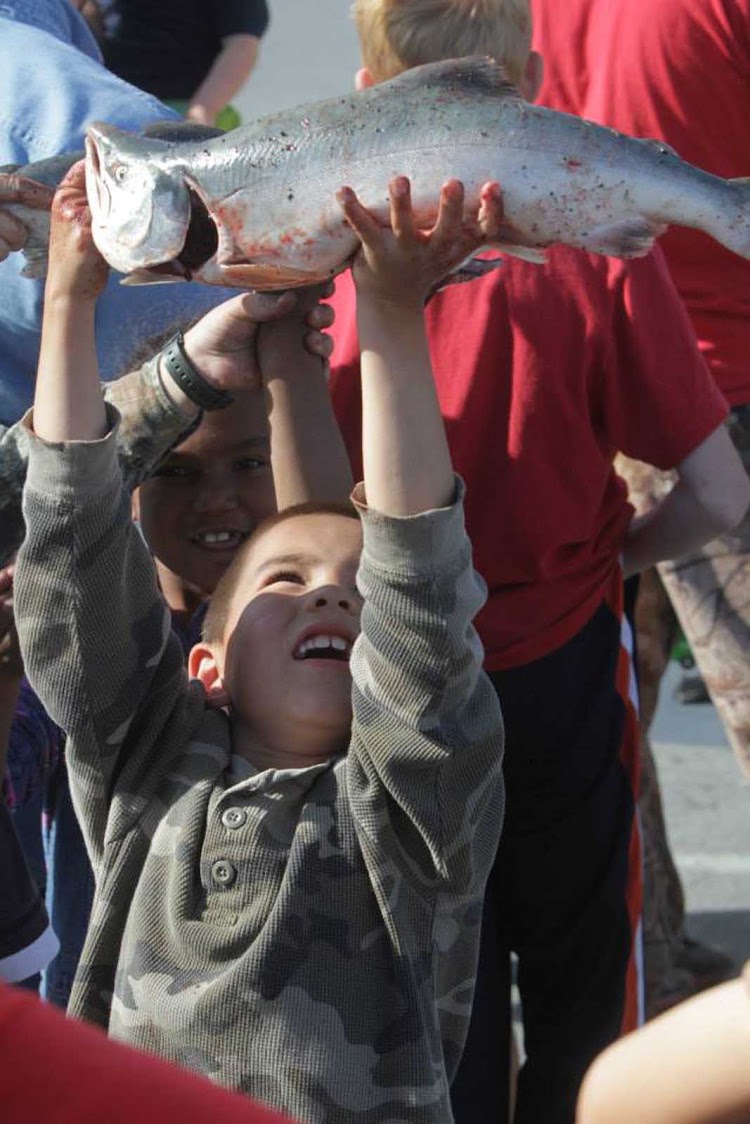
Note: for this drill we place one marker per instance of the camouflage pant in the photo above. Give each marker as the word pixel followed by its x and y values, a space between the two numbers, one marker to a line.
pixel 709 592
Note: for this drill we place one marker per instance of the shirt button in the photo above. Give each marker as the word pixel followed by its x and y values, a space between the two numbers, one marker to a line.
pixel 223 872
pixel 234 817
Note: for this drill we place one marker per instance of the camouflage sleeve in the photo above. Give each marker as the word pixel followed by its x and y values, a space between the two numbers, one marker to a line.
pixel 95 632
pixel 425 766
pixel 150 426
pixel 150 423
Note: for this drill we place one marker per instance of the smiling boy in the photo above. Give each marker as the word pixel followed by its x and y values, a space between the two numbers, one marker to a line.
pixel 289 879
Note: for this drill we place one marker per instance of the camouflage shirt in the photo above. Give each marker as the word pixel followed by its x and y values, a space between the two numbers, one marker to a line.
pixel 151 425
pixel 308 936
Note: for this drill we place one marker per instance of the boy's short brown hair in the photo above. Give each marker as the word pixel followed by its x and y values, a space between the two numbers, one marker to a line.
pixel 395 35
pixel 215 620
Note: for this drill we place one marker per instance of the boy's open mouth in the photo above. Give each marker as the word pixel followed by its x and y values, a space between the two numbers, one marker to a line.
pixel 323 646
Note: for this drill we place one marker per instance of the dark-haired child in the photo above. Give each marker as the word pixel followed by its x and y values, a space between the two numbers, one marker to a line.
pixel 288 889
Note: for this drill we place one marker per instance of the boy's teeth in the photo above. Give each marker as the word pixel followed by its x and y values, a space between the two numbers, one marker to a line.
pixel 315 643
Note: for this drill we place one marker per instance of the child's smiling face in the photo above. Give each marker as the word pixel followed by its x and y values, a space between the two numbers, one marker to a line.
pixel 209 494
pixel 291 623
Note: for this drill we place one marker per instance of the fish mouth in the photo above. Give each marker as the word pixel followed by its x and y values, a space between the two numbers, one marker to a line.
pixel 96 188
pixel 202 238
pixel 200 246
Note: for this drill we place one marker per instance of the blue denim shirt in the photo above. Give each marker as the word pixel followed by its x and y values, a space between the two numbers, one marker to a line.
pixel 52 85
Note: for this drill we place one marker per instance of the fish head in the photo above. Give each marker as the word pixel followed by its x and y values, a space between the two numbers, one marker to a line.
pixel 140 208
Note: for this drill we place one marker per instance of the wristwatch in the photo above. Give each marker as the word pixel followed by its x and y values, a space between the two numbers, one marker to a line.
pixel 189 380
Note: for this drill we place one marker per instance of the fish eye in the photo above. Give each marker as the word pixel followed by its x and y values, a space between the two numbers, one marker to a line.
pixel 120 173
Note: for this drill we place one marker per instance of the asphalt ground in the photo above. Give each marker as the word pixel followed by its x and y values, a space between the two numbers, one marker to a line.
pixel 311 52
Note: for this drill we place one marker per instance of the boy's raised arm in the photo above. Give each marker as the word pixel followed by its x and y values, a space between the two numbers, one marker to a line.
pixel 407 465
pixel 424 763
pixel 68 402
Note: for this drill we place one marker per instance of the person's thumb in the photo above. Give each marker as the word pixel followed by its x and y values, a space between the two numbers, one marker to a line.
pixel 261 307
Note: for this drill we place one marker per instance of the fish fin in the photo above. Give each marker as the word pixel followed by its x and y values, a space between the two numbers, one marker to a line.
pixel 625 238
pixel 177 132
pixel 147 277
pixel 37 260
pixel 534 254
pixel 263 278
pixel 479 74
pixel 741 181
pixel 469 270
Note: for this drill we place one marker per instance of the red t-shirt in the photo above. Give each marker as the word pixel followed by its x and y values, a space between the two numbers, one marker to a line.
pixel 543 373
pixel 678 70
pixel 60 1071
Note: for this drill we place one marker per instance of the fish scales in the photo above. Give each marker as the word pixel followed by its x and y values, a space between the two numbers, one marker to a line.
pixel 257 207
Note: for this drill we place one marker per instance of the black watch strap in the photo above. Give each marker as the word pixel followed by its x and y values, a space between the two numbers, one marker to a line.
pixel 190 381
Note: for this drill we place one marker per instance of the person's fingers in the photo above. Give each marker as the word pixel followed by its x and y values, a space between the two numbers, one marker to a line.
pixel 402 213
pixel 321 316
pixel 13 234
pixel 75 177
pixel 449 221
pixel 15 188
pixel 360 220
pixel 491 216
pixel 260 307
pixel 318 343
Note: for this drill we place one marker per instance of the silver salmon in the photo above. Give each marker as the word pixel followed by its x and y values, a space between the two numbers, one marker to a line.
pixel 257 207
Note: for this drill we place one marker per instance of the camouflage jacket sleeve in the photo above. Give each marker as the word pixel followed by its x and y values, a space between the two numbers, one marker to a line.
pixel 95 632
pixel 150 426
pixel 425 764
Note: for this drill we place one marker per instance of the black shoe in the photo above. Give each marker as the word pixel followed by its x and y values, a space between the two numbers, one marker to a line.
pixel 691 689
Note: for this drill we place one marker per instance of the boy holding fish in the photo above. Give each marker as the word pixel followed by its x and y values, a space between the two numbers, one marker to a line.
pixel 543 373
pixel 289 879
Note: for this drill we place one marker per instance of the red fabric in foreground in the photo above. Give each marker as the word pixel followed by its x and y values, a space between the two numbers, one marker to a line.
pixel 59 1071
pixel 678 70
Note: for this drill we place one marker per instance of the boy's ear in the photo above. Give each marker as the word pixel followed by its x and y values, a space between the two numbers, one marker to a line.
pixel 533 74
pixel 203 665
pixel 363 79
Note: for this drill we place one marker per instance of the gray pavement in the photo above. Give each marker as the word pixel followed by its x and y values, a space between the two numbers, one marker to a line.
pixel 311 52
pixel 707 806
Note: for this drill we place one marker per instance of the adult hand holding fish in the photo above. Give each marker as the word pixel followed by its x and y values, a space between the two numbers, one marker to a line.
pixel 18 191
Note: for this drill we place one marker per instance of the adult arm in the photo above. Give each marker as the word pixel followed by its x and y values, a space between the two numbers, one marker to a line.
pixel 155 414
pixel 710 498
pixel 230 70
pixel 660 405
pixel 689 1066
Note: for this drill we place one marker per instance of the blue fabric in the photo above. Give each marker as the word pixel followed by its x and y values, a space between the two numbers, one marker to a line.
pixel 52 86
pixel 70 889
